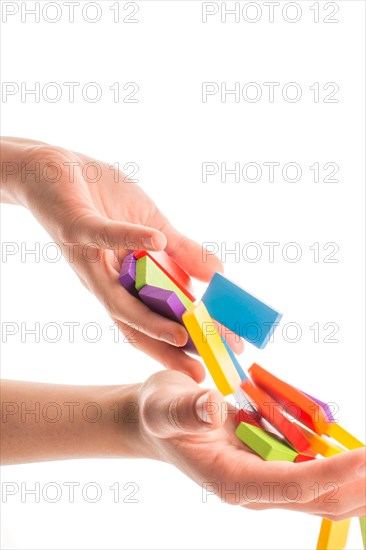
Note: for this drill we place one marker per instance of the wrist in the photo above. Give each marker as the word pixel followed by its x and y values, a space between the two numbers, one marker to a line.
pixel 16 165
pixel 122 432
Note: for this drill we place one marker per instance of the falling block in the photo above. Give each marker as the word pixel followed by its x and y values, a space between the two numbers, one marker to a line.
pixel 171 269
pixel 237 365
pixel 264 444
pixel 127 274
pixel 166 303
pixel 328 413
pixel 148 273
pixel 211 348
pixel 298 404
pixel 272 412
pixel 333 535
pixel 363 530
pixel 294 401
pixel 239 311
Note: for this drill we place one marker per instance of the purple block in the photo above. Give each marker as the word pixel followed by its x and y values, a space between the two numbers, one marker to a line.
pixel 127 275
pixel 166 303
pixel 324 406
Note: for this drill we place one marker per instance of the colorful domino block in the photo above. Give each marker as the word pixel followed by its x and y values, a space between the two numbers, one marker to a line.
pixel 310 413
pixel 264 444
pixel 171 269
pixel 149 273
pixel 166 303
pixel 128 274
pixel 240 311
pixel 211 348
pixel 293 400
pixel 272 412
pixel 163 301
pixel 333 535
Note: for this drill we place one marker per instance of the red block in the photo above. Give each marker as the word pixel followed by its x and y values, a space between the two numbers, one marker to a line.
pixel 304 458
pixel 271 411
pixel 171 269
pixel 250 417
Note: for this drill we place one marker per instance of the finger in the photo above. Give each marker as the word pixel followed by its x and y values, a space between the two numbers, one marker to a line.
pixel 329 507
pixel 316 475
pixel 173 405
pixel 190 255
pixel 126 308
pixel 170 357
pixel 104 233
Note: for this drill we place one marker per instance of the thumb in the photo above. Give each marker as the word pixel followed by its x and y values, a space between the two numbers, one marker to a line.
pixel 183 408
pixel 104 233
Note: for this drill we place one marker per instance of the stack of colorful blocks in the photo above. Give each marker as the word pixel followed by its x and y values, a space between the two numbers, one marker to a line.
pixel 276 420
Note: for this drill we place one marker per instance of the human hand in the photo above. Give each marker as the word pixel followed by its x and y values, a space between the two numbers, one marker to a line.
pixel 96 215
pixel 172 407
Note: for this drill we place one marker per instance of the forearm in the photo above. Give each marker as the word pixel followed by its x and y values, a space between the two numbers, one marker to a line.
pixel 53 422
pixel 16 154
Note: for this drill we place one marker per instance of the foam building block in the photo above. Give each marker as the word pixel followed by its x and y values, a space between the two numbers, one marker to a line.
pixel 167 303
pixel 237 365
pixel 272 412
pixel 163 301
pixel 171 269
pixel 333 535
pixel 211 348
pixel 264 444
pixel 148 273
pixel 127 274
pixel 309 412
pixel 240 311
pixel 293 400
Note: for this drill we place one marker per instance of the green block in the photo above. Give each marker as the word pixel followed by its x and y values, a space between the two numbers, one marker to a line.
pixel 148 273
pixel 264 444
pixel 363 530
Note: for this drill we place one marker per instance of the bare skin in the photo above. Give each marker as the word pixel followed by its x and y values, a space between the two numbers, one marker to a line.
pixel 94 212
pixel 163 419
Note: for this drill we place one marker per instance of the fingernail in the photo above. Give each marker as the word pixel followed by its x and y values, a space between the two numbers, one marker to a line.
pixel 203 409
pixel 167 337
pixel 362 470
pixel 148 243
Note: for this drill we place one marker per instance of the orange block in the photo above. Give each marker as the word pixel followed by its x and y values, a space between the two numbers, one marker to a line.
pixel 171 269
pixel 302 407
pixel 292 400
pixel 271 411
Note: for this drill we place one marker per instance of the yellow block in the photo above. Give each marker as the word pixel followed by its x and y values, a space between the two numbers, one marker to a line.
pixel 319 444
pixel 210 347
pixel 345 438
pixel 333 535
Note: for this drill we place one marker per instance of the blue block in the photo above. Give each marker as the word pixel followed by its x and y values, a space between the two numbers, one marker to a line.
pixel 240 311
pixel 237 365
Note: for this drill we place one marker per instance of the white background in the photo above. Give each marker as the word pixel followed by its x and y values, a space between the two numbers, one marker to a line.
pixel 169 133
